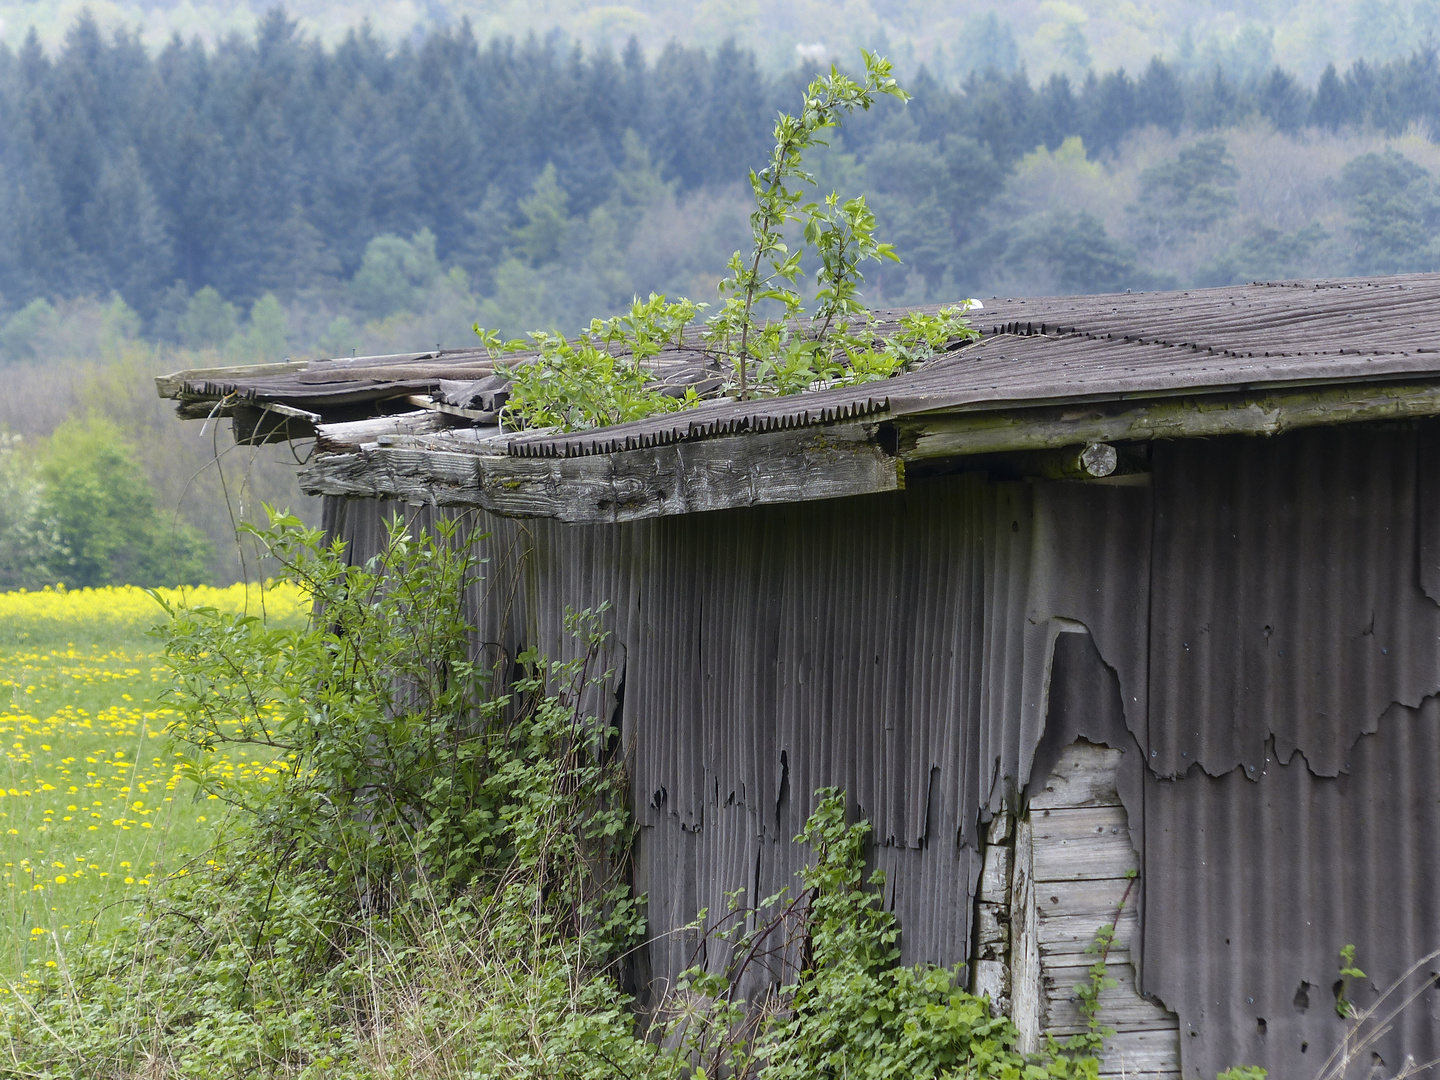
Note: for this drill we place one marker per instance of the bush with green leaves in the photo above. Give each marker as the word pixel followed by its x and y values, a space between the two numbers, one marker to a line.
pixel 99 509
pixel 854 1011
pixel 425 822
pixel 29 540
pixel 761 340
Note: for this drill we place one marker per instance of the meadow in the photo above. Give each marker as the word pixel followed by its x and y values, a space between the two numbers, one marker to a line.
pixel 93 810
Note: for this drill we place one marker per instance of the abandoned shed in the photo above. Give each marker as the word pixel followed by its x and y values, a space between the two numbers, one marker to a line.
pixel 1140 582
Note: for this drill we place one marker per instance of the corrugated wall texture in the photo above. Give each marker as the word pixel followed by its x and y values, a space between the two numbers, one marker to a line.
pixel 1260 605
pixel 882 645
pixel 1253 886
pixel 1288 603
pixel 1288 620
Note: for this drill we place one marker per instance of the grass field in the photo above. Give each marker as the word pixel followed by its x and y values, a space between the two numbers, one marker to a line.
pixel 92 811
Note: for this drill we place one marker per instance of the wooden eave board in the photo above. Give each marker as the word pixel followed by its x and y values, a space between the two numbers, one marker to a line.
pixel 824 461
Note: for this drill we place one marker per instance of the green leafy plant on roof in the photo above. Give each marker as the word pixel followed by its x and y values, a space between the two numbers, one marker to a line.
pixel 761 340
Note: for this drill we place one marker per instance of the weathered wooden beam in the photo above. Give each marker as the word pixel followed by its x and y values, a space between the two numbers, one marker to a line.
pixel 680 478
pixel 1271 412
pixel 478 416
pixel 344 438
pixel 173 385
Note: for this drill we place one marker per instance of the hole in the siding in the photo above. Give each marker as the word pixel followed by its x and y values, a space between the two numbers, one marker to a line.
pixel 1435 980
pixel 1338 989
pixel 782 791
pixel 1054 899
pixel 1260 1025
pixel 1302 997
pixel 1304 1047
pixel 1376 1060
pixel 658 799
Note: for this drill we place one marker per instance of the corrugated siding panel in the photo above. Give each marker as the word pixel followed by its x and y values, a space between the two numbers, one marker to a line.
pixel 1254 885
pixel 876 645
pixel 1288 618
pixel 1287 598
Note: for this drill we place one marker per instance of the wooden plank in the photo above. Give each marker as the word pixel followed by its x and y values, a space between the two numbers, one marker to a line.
pixel 1084 776
pixel 1092 899
pixel 1082 853
pixel 479 416
pixel 1121 1006
pixel 1025 994
pixel 995 874
pixel 173 385
pixel 1072 933
pixel 1005 427
pixel 1142 1053
pixel 401 372
pixel 352 436
pixel 1082 843
pixel 992 979
pixel 992 931
pixel 710 474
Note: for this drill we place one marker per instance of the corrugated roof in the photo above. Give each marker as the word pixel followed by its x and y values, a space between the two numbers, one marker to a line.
pixel 1052 350
pixel 1034 350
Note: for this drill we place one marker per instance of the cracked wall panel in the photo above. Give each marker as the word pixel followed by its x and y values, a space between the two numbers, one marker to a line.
pixel 1093 566
pixel 868 619
pixel 1006 731
pixel 877 643
pixel 1253 886
pixel 1285 596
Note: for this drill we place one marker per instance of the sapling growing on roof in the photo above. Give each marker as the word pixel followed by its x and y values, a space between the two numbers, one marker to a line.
pixel 601 377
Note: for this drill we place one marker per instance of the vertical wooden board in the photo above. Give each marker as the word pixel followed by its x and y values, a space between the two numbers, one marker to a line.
pixel 1025 995
pixel 995 876
pixel 992 980
pixel 992 931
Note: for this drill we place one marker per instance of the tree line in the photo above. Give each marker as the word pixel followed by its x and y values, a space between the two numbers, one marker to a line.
pixel 270 164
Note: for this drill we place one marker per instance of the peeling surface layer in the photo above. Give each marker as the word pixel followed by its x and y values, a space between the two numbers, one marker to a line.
pixel 1253 886
pixel 1286 598
pixel 878 645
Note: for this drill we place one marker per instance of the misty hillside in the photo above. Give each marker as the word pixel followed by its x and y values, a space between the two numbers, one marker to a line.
pixel 951 38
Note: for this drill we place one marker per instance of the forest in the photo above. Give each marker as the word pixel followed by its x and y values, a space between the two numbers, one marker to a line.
pixel 274 196
pixel 305 198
